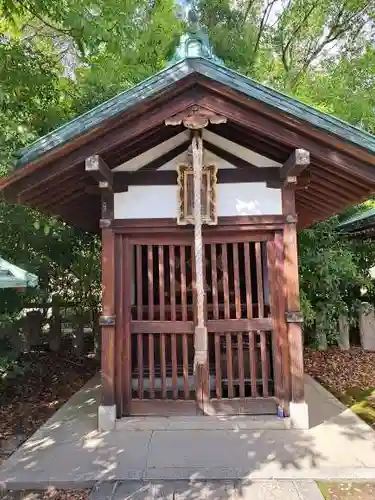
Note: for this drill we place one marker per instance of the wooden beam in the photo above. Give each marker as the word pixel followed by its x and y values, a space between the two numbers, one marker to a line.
pixel 295 164
pixel 169 177
pixel 97 167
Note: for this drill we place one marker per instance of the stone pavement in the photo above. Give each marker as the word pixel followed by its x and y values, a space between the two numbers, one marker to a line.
pixel 68 451
pixel 207 490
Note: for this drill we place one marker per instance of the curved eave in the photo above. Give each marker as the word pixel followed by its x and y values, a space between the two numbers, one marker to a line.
pixel 172 74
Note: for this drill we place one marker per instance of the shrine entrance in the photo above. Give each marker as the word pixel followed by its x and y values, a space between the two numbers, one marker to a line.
pixel 242 303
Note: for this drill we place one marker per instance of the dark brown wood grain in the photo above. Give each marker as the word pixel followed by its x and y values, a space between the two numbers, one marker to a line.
pixel 264 363
pixel 259 273
pixel 119 329
pixel 249 300
pixel 253 365
pixel 108 308
pixel 127 357
pixel 292 298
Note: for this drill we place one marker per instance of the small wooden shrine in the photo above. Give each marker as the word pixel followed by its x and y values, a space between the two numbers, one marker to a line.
pixel 198 179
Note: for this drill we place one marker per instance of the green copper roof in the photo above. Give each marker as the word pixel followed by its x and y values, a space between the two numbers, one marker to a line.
pixel 358 221
pixel 193 55
pixel 12 276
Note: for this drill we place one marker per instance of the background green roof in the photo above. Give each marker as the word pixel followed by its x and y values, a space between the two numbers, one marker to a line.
pixel 359 221
pixel 12 276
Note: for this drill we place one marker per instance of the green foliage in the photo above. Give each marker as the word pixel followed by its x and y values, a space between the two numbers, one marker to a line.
pixel 333 276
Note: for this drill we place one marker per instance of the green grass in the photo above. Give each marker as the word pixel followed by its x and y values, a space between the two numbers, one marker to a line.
pixel 347 490
pixel 324 490
pixel 358 401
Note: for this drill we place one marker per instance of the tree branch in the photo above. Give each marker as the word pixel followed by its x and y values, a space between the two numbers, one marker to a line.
pixel 263 22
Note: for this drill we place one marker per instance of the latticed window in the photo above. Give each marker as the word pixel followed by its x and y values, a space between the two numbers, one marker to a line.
pixel 185 213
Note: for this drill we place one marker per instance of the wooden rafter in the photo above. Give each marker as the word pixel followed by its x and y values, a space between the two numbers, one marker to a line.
pixel 297 162
pixel 97 167
pixel 107 141
pixel 281 134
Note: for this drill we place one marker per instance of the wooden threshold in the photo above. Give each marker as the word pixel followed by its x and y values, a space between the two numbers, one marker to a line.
pixel 223 407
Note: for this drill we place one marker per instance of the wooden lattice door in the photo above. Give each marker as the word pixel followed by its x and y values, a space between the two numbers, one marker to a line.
pixel 162 322
pixel 243 293
pixel 242 306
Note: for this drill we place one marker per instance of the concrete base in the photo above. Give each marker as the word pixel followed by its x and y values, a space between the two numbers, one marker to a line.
pixel 106 418
pixel 299 415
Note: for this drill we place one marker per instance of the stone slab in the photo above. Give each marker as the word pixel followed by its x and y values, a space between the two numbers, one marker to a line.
pixel 308 490
pixel 191 423
pixel 69 451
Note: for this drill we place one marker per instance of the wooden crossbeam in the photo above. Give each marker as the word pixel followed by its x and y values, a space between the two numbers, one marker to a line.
pixel 98 168
pixel 169 177
pixel 295 164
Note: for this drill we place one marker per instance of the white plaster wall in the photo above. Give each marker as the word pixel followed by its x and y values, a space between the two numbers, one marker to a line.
pixel 153 202
pixel 248 198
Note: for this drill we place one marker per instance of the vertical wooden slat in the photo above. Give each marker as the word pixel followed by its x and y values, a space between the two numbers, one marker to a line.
pixel 151 347
pixel 224 258
pixel 161 282
pixel 249 299
pixel 237 291
pixel 183 283
pixel 139 282
pixel 228 339
pixel 253 366
pixel 163 364
pixel 174 366
pixel 184 314
pixel 121 290
pixel 172 279
pixel 215 305
pixel 215 302
pixel 139 317
pixel 264 362
pixel 127 349
pixel 140 365
pixel 185 365
pixel 237 303
pixel 258 259
pixel 275 291
pixel 228 336
pixel 241 368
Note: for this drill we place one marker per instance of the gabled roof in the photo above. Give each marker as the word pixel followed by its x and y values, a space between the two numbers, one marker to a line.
pixel 258 119
pixel 193 55
pixel 12 276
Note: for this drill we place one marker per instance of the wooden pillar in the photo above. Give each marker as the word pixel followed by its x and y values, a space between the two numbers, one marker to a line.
pixel 293 314
pixel 107 409
pixel 107 320
pixel 200 337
